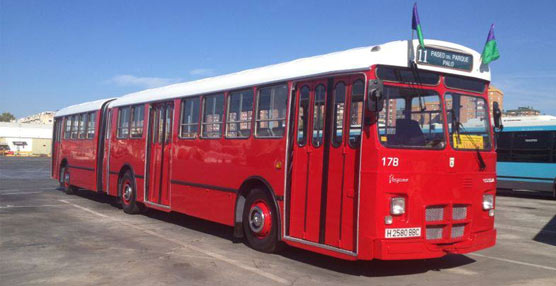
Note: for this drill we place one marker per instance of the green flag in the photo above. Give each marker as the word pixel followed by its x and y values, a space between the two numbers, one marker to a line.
pixel 490 52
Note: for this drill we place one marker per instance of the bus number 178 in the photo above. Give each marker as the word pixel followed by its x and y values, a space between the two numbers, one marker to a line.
pixel 390 161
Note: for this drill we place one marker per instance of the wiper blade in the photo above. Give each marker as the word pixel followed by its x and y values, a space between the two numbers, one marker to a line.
pixel 480 160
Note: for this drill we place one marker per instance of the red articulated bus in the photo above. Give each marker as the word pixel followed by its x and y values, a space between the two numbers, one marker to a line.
pixel 382 152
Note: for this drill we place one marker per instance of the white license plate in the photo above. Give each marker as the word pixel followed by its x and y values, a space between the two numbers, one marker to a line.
pixel 403 232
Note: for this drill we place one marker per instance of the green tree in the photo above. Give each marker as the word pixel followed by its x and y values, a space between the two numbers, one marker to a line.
pixel 6 117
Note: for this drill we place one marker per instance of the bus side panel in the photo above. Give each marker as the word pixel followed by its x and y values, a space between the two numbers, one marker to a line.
pixel 126 153
pixel 207 173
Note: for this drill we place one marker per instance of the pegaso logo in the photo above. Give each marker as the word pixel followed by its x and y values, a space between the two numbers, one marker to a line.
pixel 488 180
pixel 395 180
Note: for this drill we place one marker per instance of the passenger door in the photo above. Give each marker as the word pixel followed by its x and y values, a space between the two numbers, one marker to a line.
pixel 159 154
pixel 325 162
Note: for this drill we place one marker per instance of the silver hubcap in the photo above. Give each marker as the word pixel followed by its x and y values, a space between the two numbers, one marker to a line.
pixel 127 192
pixel 66 178
pixel 256 219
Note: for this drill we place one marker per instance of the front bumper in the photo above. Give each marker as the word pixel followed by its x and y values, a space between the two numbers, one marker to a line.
pixel 389 249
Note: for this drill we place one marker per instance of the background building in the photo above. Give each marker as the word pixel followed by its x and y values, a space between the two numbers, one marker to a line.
pixel 26 139
pixel 46 117
pixel 522 111
pixel 494 94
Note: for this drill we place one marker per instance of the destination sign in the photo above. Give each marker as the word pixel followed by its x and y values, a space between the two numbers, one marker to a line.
pixel 444 58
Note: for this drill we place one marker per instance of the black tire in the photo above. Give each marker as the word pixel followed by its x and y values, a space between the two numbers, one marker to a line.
pixel 65 183
pixel 266 239
pixel 61 176
pixel 128 198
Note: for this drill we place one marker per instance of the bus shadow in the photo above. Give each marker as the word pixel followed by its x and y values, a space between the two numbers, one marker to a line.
pixel 548 233
pixel 525 194
pixel 374 268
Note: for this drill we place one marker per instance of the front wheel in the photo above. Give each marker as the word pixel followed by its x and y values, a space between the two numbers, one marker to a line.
pixel 259 222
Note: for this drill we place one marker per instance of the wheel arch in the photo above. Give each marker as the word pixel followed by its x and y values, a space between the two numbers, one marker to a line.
pixel 242 193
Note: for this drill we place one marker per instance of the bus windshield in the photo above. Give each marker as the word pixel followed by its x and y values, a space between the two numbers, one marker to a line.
pixel 411 118
pixel 467 122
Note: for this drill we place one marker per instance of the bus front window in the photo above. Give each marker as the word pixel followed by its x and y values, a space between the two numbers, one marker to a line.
pixel 411 118
pixel 467 122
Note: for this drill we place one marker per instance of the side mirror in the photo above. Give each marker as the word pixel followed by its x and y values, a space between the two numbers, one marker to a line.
pixel 375 96
pixel 497 116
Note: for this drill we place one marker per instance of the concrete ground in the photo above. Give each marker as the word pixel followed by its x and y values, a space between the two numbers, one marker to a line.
pixel 49 238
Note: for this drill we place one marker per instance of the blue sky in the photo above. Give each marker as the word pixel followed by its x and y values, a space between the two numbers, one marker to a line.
pixel 58 53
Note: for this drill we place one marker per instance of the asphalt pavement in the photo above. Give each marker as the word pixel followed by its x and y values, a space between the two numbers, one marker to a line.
pixel 50 238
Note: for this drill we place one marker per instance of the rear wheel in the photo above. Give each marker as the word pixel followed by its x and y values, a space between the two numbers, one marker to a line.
pixel 65 182
pixel 259 222
pixel 128 195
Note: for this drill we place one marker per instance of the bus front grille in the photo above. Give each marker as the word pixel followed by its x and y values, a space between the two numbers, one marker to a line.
pixel 434 213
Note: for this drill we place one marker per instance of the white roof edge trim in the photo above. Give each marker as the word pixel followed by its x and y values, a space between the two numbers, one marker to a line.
pixel 357 59
pixel 83 107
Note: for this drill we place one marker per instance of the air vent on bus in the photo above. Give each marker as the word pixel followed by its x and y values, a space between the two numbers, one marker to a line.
pixel 434 213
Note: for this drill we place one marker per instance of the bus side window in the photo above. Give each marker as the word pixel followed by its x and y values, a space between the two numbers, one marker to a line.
pixel 137 120
pixel 123 122
pixel 189 117
pixel 67 130
pixel 240 114
pixel 356 113
pixel 303 116
pixel 338 120
pixel 91 125
pixel 213 109
pixel 318 115
pixel 83 121
pixel 271 111
pixel 74 126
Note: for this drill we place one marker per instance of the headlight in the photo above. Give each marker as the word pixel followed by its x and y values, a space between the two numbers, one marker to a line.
pixel 488 202
pixel 397 206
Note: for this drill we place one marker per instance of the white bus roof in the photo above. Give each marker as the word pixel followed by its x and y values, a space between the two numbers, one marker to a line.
pixel 82 107
pixel 529 121
pixel 358 59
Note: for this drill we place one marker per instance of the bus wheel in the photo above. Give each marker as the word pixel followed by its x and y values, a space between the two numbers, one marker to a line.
pixel 65 182
pixel 128 193
pixel 259 222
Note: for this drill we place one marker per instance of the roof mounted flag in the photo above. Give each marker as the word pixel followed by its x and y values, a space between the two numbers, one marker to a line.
pixel 416 25
pixel 490 51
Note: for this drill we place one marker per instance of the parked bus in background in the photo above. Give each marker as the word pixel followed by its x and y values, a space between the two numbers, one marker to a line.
pixel 527 154
pixel 379 152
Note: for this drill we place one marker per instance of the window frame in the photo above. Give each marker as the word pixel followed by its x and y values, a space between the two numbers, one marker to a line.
pixel 485 87
pixel 316 139
pixel 67 131
pixel 132 121
pixel 255 118
pixel 118 122
pixel 91 115
pixel 335 136
pixel 227 113
pixel 350 143
pixel 82 130
pixel 75 121
pixel 447 120
pixel 307 114
pixel 199 116
pixel 408 104
pixel 222 116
